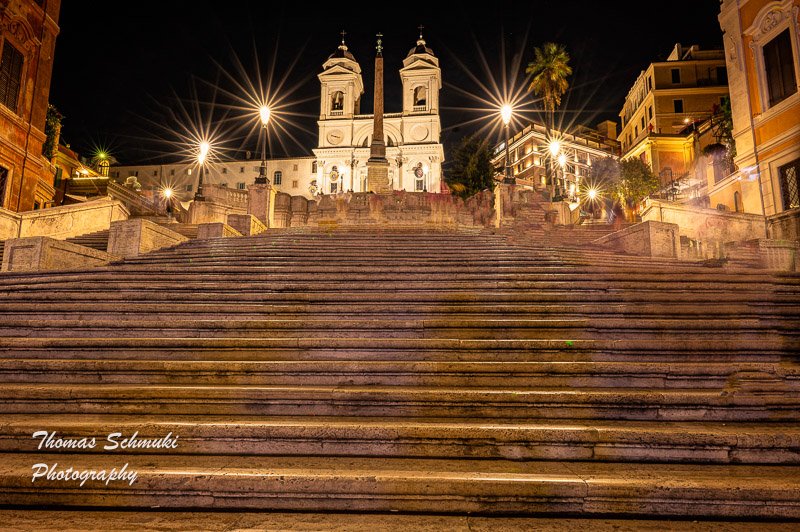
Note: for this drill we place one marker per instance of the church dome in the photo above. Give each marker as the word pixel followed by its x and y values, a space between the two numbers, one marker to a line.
pixel 420 48
pixel 342 53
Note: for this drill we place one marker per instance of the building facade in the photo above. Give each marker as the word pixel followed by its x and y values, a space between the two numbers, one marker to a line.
pixel 762 51
pixel 531 150
pixel 338 163
pixel 665 108
pixel 28 30
pixel 413 145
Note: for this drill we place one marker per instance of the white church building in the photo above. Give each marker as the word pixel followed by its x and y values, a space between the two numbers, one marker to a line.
pixel 338 164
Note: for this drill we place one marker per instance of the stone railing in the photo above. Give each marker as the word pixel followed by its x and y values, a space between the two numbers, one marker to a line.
pixel 784 226
pixel 704 232
pixel 232 197
pixel 63 222
pixel 135 202
pixel 397 208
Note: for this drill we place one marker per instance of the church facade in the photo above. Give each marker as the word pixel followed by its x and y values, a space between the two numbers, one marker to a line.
pixel 339 163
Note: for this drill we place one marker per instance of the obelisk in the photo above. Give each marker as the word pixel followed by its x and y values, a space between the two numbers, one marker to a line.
pixel 377 165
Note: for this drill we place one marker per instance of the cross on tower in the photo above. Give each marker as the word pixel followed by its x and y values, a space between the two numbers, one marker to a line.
pixel 420 28
pixel 343 33
pixel 380 42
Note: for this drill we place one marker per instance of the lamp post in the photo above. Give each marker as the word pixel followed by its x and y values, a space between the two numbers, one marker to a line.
pixel 263 113
pixel 202 153
pixel 505 114
pixel 555 153
pixel 167 194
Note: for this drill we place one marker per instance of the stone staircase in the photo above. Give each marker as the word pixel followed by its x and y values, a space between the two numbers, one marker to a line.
pixel 97 240
pixel 407 370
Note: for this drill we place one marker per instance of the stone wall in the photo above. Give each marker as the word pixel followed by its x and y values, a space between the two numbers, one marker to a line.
pixel 43 253
pixel 63 222
pixel 707 229
pixel 649 239
pixel 131 238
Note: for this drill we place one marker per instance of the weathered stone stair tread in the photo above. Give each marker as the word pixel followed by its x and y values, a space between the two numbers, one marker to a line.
pixel 427 437
pixel 418 373
pixel 132 521
pixel 403 401
pixel 331 483
pixel 419 309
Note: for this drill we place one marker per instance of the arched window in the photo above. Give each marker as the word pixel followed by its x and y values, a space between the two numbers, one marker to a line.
pixel 277 177
pixel 389 141
pixel 419 178
pixel 365 144
pixel 314 167
pixel 337 101
pixel 737 202
pixel 421 96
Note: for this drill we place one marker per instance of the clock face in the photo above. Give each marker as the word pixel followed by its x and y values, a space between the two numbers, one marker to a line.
pixel 335 137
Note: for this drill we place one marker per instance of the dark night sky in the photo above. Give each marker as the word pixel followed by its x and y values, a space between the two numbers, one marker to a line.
pixel 114 62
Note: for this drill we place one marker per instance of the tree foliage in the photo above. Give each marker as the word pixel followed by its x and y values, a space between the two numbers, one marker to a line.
pixel 472 169
pixel 604 173
pixel 52 128
pixel 636 181
pixel 549 71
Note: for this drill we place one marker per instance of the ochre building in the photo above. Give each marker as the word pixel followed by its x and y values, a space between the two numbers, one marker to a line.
pixel 27 43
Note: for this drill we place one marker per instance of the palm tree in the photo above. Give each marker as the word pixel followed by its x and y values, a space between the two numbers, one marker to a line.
pixel 549 71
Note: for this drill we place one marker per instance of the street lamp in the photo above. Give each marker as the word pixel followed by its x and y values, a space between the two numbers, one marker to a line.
pixel 263 113
pixel 202 154
pixel 505 114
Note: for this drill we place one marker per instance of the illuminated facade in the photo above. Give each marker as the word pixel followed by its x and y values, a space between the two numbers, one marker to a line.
pixel 28 31
pixel 529 153
pixel 665 119
pixel 762 50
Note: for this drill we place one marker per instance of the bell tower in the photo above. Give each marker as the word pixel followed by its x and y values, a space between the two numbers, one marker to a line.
pixel 341 85
pixel 422 80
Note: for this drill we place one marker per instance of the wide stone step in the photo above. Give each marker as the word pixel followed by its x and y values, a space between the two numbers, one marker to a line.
pixel 412 485
pixel 403 401
pixel 56 310
pixel 620 329
pixel 582 281
pixel 674 349
pixel 651 375
pixel 133 521
pixel 602 441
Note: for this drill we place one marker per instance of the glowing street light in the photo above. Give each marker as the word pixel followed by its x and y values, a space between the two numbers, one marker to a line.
pixel 263 114
pixel 592 194
pixel 554 147
pixel 202 155
pixel 167 193
pixel 562 160
pixel 505 114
